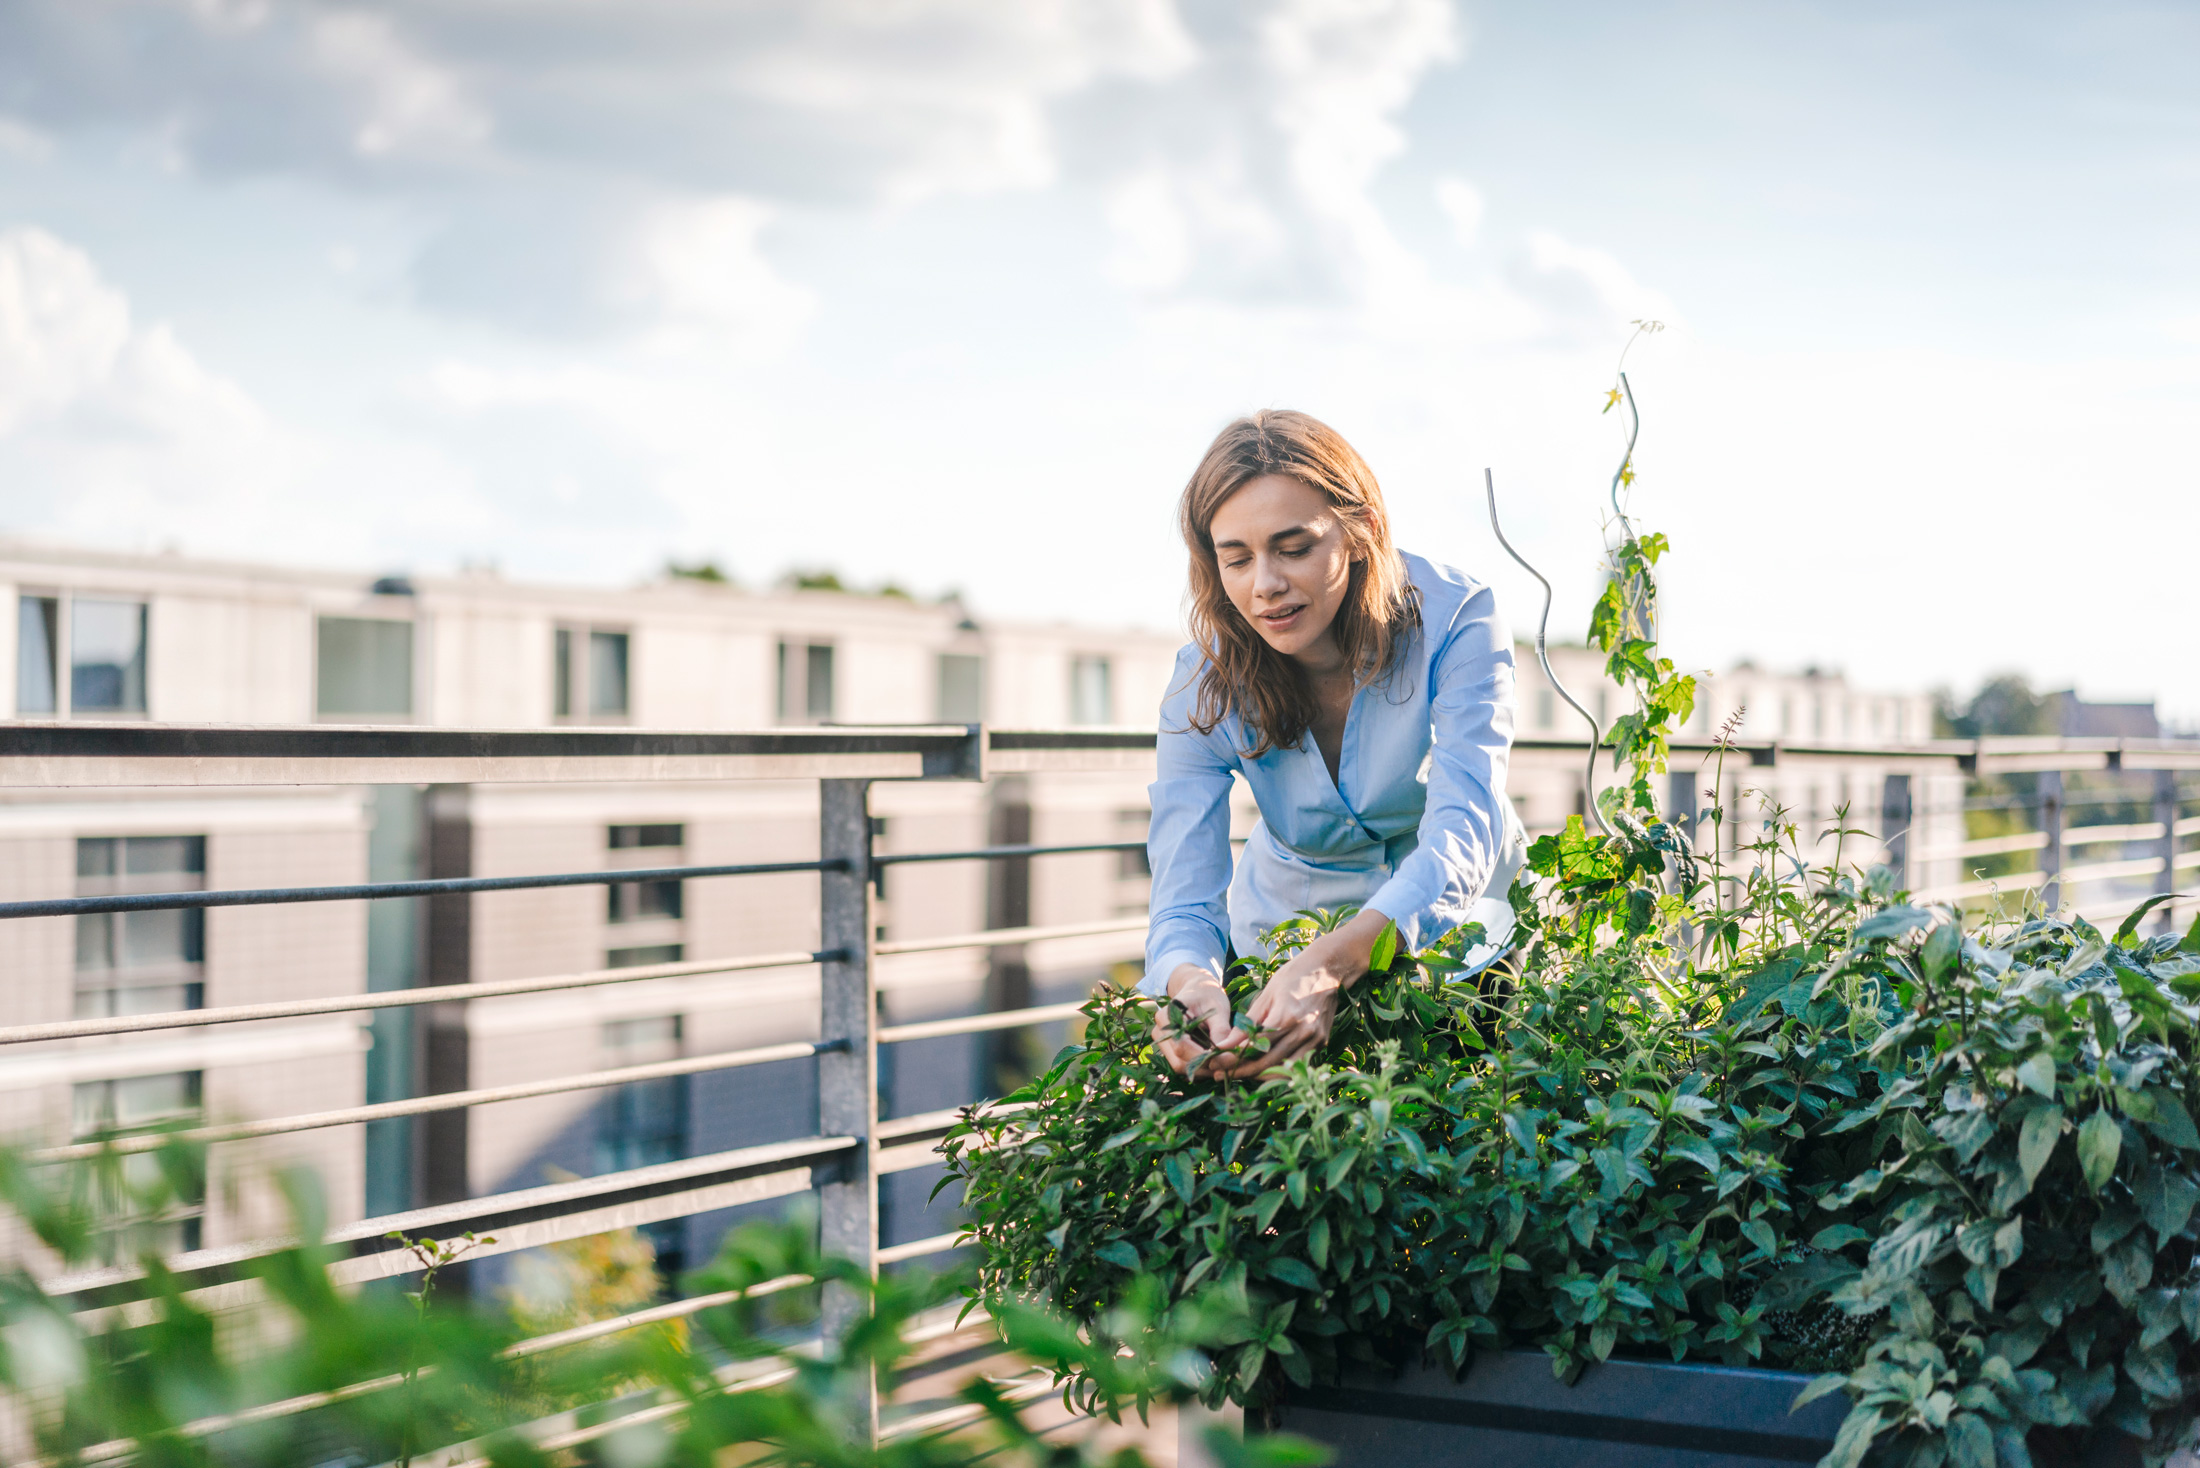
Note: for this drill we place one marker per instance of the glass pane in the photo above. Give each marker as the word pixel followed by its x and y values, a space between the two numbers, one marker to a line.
pixel 183 856
pixel 640 901
pixel 365 666
pixel 1089 695
pixel 165 939
pixel 962 688
pixel 786 693
pixel 142 1100
pixel 95 941
pixel 607 672
pixel 647 954
pixel 627 837
pixel 561 675
pixel 36 622
pixel 106 656
pixel 818 687
pixel 95 856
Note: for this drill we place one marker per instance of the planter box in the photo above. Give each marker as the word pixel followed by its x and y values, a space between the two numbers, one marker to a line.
pixel 1509 1410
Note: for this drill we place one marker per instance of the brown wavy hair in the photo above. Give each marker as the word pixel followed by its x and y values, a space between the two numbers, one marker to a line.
pixel 1244 675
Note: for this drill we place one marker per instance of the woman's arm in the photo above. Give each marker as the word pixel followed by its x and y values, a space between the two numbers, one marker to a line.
pixel 1463 828
pixel 1188 848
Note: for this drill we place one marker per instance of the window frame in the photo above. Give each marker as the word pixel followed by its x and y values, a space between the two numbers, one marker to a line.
pixel 413 672
pixel 572 673
pixel 1078 663
pixel 794 695
pixel 61 648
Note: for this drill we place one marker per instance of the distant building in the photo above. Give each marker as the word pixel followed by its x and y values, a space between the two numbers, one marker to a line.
pixel 2077 719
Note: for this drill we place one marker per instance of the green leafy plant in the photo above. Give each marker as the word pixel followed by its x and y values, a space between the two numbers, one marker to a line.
pixel 313 1373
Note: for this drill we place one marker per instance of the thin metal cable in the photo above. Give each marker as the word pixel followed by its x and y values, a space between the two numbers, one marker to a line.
pixel 1543 655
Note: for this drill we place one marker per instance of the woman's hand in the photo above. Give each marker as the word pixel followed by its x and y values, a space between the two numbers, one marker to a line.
pixel 1299 1004
pixel 1206 1013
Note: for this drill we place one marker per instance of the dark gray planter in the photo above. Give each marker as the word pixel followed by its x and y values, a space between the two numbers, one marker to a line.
pixel 1509 1410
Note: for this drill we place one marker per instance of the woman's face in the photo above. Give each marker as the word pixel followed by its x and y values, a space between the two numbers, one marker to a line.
pixel 1285 563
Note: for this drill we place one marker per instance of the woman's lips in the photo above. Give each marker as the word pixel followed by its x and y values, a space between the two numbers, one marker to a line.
pixel 1281 621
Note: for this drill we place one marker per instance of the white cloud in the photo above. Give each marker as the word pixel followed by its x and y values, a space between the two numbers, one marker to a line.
pixel 1463 205
pixel 70 351
pixel 697 262
pixel 1584 290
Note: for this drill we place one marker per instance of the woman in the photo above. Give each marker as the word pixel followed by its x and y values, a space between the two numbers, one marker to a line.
pixel 1366 697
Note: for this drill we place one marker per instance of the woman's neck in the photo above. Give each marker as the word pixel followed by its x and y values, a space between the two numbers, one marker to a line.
pixel 1322 659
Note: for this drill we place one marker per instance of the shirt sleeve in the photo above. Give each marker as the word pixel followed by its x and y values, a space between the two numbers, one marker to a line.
pixel 1188 844
pixel 1464 826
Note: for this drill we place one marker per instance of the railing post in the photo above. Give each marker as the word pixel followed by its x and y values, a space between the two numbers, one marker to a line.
pixel 2051 826
pixel 1896 811
pixel 847 1079
pixel 2165 816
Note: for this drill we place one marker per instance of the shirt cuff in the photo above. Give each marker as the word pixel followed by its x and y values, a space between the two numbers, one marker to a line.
pixel 1156 983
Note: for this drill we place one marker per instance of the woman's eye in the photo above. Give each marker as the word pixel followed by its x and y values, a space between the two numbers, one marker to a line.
pixel 1237 565
pixel 1300 554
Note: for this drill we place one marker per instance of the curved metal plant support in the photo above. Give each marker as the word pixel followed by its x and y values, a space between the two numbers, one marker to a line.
pixel 1542 648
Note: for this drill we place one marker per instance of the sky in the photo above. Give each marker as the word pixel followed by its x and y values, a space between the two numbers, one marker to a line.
pixel 953 293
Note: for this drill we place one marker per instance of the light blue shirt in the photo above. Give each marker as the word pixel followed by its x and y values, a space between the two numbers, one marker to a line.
pixel 1416 825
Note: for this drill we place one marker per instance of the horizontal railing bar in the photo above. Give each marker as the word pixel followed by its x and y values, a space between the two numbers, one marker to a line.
pixel 998 937
pixel 445 1101
pixel 998 853
pixel 918 1125
pixel 377 891
pixel 1007 1019
pixel 661 1411
pixel 918 1248
pixel 518 1350
pixel 114 754
pixel 174 1019
pixel 1986 846
pixel 1028 1386
pixel 369 1238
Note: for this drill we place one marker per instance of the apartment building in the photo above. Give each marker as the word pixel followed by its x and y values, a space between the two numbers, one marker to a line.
pixel 100 636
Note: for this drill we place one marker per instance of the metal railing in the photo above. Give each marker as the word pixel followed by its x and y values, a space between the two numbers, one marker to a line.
pixel 854 1147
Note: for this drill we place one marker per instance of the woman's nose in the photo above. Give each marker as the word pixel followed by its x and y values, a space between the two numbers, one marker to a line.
pixel 1269 581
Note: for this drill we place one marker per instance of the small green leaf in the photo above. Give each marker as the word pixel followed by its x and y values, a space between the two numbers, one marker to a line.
pixel 1339 1165
pixel 2038 1074
pixel 2036 1142
pixel 1385 949
pixel 1840 1236
pixel 1293 1272
pixel 2100 1139
pixel 1120 1251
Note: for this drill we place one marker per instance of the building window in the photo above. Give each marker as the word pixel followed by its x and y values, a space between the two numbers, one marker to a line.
pixel 962 688
pixel 105 1109
pixel 1091 694
pixel 140 962
pixel 642 955
pixel 1546 708
pixel 643 1122
pixel 364 668
pixel 590 675
pixel 99 640
pixel 805 682
pixel 641 902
